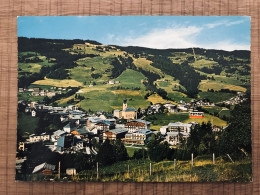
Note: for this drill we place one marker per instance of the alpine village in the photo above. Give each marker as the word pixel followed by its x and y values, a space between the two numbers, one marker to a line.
pixel 93 112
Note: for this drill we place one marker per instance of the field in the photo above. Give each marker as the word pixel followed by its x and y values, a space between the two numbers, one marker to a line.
pixel 165 171
pixel 155 98
pixel 208 118
pixel 58 83
pixel 159 120
pixel 27 96
pixel 88 66
pixel 216 86
pixel 109 100
pixel 216 96
pixel 131 79
pixel 146 65
pixel 216 109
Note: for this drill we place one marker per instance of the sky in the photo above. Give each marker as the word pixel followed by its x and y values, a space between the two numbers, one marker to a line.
pixel 161 32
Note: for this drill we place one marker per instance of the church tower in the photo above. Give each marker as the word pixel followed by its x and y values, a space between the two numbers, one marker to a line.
pixel 125 104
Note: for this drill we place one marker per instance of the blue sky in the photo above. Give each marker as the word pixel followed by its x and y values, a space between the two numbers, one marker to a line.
pixel 162 32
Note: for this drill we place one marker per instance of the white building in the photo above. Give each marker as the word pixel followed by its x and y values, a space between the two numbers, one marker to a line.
pixel 37 138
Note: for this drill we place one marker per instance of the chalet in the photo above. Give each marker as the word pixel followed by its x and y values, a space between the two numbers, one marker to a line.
pixel 36 89
pixel 163 130
pixel 93 120
pixel 111 82
pixel 21 146
pixel 194 114
pixel 64 142
pixel 171 108
pixel 178 126
pixel 69 127
pixel 71 171
pixel 183 107
pixel 156 107
pixel 139 137
pixel 37 138
pixel 104 125
pixel 138 124
pixel 33 112
pixel 57 134
pixel 44 168
pixel 50 94
pixel 173 138
pixel 114 134
pixel 118 113
pixel 72 107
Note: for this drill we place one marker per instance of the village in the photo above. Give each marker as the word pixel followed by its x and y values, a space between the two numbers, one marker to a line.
pixel 79 128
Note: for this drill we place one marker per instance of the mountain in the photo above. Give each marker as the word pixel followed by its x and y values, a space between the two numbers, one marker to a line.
pixel 171 74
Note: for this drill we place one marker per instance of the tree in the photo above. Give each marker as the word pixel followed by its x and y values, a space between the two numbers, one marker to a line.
pixel 106 154
pixel 120 151
pixel 236 138
pixel 157 151
pixel 140 154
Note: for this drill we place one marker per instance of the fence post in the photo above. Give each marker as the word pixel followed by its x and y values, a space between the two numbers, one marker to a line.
pixel 230 158
pixel 174 164
pixel 97 170
pixel 192 159
pixel 213 158
pixel 150 169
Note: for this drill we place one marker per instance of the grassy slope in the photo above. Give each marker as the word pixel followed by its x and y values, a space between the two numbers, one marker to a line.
pixel 131 78
pixel 215 96
pixel 215 85
pixel 202 171
pixel 110 100
pixel 83 71
pixel 159 120
pixel 213 119
pixel 58 83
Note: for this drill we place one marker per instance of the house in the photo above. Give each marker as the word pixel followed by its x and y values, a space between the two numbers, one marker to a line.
pixel 57 134
pixel 33 112
pixel 81 133
pixel 140 137
pixel 171 107
pixel 114 134
pixel 156 107
pixel 138 124
pixel 118 113
pixel 111 82
pixel 92 121
pixel 44 168
pixel 180 127
pixel 64 142
pixel 37 138
pixel 71 171
pixel 196 114
pixel 173 138
pixel 51 94
pixel 104 125
pixel 163 130
pixel 69 127
pixel 21 146
pixel 36 89
pixel 183 107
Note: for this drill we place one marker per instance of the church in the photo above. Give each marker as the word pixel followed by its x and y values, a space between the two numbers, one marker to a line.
pixel 126 113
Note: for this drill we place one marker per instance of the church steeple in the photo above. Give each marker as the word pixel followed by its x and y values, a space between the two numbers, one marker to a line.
pixel 125 104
